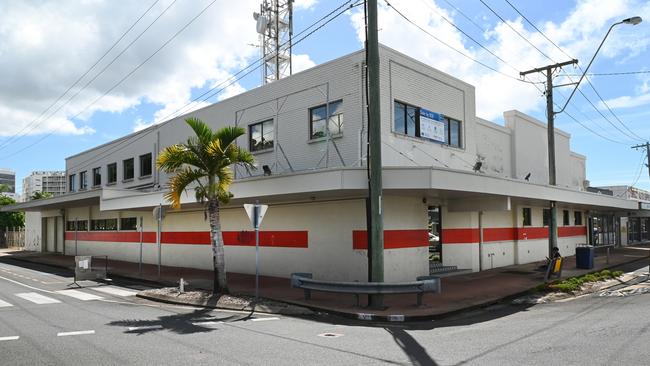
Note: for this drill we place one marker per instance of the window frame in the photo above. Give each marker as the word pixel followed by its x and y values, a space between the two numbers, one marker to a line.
pixel 103 224
pixel 150 165
pixel 70 225
pixel 448 121
pixel 124 170
pixel 565 218
pixel 122 220
pixel 577 218
pixel 72 182
pixel 546 217
pixel 265 146
pixel 527 214
pixel 83 180
pixel 97 172
pixel 339 117
pixel 405 107
pixel 108 173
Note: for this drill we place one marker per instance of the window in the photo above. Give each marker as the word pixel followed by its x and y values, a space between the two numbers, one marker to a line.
pixel 128 223
pixel 103 224
pixel 577 218
pixel 127 169
pixel 317 124
pixel 145 165
pixel 406 119
pixel 546 217
pixel 111 173
pixel 527 216
pixel 97 177
pixel 454 132
pixel 72 183
pixel 565 217
pixel 82 225
pixel 83 180
pixel 260 135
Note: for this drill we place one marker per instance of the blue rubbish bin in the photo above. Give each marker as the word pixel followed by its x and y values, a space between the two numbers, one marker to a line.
pixel 585 257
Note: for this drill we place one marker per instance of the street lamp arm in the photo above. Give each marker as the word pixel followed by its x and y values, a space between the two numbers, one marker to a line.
pixel 588 66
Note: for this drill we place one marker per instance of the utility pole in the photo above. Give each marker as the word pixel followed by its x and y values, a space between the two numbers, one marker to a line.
pixel 550 129
pixel 647 151
pixel 376 228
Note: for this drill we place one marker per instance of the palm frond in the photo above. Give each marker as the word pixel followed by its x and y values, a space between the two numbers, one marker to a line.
pixel 173 157
pixel 227 135
pixel 179 182
pixel 201 129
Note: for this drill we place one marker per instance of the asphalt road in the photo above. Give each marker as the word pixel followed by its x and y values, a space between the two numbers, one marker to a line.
pixel 42 323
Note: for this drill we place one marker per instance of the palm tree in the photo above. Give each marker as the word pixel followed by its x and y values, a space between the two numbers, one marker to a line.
pixel 205 162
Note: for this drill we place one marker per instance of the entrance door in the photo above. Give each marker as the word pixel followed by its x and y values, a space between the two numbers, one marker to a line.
pixel 435 229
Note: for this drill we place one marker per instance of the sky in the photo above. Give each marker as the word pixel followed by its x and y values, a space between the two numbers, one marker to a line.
pixel 76 74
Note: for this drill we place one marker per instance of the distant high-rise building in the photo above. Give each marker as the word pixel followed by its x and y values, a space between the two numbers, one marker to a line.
pixel 46 182
pixel 8 178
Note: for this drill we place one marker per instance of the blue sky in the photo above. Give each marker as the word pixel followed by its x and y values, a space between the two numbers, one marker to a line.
pixel 45 46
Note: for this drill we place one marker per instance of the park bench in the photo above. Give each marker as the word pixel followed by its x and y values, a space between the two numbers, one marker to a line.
pixel 306 282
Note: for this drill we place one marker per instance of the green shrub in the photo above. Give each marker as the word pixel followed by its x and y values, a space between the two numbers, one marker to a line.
pixel 575 283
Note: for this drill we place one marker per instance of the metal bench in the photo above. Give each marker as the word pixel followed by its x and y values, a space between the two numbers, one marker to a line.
pixel 306 282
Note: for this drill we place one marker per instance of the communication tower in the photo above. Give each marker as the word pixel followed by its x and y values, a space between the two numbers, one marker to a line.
pixel 275 26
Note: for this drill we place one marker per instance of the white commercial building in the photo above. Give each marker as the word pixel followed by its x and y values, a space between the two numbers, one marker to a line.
pixel 53 182
pixel 480 187
pixel 8 179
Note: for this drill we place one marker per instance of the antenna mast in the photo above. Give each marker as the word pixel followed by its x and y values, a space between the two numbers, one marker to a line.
pixel 275 26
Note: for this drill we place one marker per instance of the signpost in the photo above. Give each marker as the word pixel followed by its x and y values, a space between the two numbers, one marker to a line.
pixel 158 215
pixel 256 213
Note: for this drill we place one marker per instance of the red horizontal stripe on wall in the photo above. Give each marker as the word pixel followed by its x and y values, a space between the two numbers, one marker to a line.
pixel 530 233
pixel 280 239
pixel 564 231
pixel 499 234
pixel 460 236
pixel 393 239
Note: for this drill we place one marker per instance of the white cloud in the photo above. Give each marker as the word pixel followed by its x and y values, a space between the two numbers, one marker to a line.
pixel 304 4
pixel 578 34
pixel 626 102
pixel 301 62
pixel 46 46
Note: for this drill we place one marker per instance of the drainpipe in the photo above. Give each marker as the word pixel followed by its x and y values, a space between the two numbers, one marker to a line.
pixel 480 240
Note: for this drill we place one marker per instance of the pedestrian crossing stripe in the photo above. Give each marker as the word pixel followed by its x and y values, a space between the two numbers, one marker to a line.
pixel 79 295
pixel 4 304
pixel 115 291
pixel 37 298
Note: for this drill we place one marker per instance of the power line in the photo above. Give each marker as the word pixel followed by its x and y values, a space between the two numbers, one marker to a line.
pixel 611 73
pixel 633 135
pixel 20 134
pixel 126 142
pixel 453 48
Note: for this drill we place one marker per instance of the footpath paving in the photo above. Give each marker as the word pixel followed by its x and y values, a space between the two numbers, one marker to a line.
pixel 459 292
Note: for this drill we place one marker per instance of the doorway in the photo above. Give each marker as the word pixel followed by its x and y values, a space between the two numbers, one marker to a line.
pixel 435 233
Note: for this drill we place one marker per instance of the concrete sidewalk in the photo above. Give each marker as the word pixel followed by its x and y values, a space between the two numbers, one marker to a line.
pixel 459 292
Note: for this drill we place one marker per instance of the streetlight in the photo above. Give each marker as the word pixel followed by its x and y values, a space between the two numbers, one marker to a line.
pixel 632 21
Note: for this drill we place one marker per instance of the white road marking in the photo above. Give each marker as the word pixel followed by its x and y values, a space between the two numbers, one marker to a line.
pixel 116 291
pixel 24 285
pixel 207 324
pixel 79 295
pixel 10 338
pixel 79 332
pixel 4 304
pixel 37 298
pixel 264 319
pixel 149 327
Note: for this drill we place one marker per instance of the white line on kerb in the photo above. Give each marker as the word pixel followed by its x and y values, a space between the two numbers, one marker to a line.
pixel 11 338
pixel 263 319
pixel 79 332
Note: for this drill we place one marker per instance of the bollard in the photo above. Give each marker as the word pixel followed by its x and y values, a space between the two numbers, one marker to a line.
pixel 181 285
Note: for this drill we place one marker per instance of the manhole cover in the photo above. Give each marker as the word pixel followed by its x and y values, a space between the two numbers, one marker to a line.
pixel 330 335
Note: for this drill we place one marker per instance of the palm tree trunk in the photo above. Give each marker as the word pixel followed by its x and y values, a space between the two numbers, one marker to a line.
pixel 220 284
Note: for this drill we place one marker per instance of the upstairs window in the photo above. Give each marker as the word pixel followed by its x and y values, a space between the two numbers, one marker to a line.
pixel 83 180
pixel 127 169
pixel 72 183
pixel 260 135
pixel 318 127
pixel 97 177
pixel 406 119
pixel 454 128
pixel 111 173
pixel 145 165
